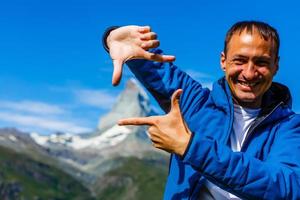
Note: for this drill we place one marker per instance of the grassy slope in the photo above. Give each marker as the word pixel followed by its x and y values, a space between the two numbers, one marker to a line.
pixel 135 179
pixel 24 178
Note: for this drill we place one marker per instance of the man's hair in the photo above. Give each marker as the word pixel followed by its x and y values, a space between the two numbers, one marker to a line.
pixel 265 30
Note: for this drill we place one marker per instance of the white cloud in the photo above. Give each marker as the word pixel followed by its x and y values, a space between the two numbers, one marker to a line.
pixel 97 98
pixel 205 79
pixel 32 107
pixel 198 75
pixel 42 123
pixel 207 85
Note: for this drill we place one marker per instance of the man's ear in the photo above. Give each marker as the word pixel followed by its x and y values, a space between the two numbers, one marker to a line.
pixel 223 61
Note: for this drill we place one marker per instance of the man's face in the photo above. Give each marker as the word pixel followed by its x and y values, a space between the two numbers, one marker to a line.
pixel 250 64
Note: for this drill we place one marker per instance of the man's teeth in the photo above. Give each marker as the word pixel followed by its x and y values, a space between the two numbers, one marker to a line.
pixel 247 84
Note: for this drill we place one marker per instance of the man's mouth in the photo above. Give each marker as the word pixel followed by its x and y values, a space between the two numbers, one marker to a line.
pixel 248 84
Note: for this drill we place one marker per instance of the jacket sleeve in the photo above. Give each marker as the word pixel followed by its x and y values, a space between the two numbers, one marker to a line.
pixel 162 79
pixel 277 177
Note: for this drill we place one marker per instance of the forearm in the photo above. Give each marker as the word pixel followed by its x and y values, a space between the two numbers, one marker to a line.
pixel 243 175
pixel 162 79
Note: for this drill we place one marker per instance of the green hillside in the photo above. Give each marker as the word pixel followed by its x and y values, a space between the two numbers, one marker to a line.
pixel 134 179
pixel 22 177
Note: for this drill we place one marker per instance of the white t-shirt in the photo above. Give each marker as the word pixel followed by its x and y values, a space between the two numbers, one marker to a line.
pixel 243 117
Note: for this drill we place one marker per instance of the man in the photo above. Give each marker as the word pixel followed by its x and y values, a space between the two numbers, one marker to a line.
pixel 240 140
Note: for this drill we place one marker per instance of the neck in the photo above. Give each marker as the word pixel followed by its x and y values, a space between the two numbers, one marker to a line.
pixel 253 105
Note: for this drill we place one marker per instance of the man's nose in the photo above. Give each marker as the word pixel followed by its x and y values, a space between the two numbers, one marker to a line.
pixel 250 72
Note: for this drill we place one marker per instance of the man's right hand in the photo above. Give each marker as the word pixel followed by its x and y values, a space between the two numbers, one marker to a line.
pixel 132 42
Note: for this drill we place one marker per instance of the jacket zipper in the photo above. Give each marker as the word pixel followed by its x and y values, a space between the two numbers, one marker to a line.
pixel 256 124
pixel 229 130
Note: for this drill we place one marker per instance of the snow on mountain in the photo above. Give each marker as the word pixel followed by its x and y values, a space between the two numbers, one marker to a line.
pixel 110 137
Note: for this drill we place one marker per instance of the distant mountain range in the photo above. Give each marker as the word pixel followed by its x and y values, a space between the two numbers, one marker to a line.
pixel 112 162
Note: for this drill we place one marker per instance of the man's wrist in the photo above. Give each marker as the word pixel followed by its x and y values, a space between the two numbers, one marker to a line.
pixel 184 145
pixel 106 35
pixel 188 144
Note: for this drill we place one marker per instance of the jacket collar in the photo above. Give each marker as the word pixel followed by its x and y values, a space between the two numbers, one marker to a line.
pixel 221 95
pixel 277 94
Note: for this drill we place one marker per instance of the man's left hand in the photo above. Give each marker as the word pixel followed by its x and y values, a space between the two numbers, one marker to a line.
pixel 168 132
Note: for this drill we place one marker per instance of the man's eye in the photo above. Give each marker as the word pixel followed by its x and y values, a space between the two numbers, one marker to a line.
pixel 239 61
pixel 262 63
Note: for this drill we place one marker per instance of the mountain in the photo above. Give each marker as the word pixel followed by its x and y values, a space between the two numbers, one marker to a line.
pixel 23 177
pixel 132 102
pixel 113 162
pixel 20 142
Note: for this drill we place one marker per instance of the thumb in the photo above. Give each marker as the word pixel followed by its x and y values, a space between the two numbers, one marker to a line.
pixel 117 74
pixel 175 100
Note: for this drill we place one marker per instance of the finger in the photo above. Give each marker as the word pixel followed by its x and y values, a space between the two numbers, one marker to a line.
pixel 149 36
pixel 154 134
pixel 137 121
pixel 156 145
pixel 117 73
pixel 150 44
pixel 161 147
pixel 157 57
pixel 144 29
pixel 175 100
pixel 155 141
pixel 151 130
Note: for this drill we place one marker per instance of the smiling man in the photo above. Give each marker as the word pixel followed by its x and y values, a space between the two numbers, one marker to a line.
pixel 241 140
pixel 250 61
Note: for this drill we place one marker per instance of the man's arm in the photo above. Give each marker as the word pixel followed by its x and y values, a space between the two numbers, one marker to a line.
pixel 277 177
pixel 135 46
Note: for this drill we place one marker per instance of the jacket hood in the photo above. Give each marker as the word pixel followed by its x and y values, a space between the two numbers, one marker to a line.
pixel 277 93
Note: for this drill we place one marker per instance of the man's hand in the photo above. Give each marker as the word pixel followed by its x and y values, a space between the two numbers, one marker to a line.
pixel 168 132
pixel 132 42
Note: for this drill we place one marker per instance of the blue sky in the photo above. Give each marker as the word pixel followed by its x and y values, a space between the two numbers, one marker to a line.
pixel 54 74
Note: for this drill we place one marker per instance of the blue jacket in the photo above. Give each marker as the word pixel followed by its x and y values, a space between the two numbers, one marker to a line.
pixel 268 166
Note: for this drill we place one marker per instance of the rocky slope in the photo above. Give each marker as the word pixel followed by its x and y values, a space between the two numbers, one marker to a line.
pixel 22 177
